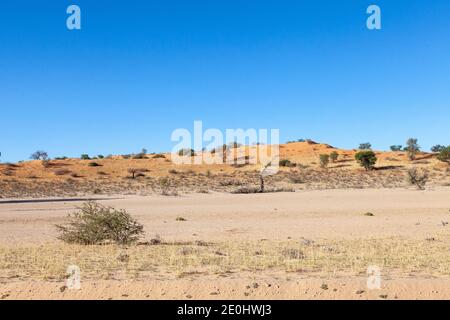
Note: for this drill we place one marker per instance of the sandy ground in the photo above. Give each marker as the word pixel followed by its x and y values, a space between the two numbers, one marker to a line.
pixel 315 215
pixel 329 214
pixel 244 288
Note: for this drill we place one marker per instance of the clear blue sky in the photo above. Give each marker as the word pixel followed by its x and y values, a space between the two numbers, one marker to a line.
pixel 140 69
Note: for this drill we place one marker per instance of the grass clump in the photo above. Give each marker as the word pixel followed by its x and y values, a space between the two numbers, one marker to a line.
pixel 97 224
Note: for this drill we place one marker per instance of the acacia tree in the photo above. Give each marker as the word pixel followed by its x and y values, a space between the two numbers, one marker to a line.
pixel 324 160
pixel 412 147
pixel 39 155
pixel 444 155
pixel 396 148
pixel 365 146
pixel 366 159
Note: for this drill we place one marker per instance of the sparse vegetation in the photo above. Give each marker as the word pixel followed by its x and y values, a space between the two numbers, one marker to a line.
pixel 39 155
pixel 367 159
pixel 324 160
pixel 97 224
pixel 412 148
pixel 186 153
pixel 62 172
pixel 437 148
pixel 94 164
pixel 396 148
pixel 334 156
pixel 417 178
pixel 141 155
pixel 286 163
pixel 365 146
pixel 136 172
pixel 85 157
pixel 444 155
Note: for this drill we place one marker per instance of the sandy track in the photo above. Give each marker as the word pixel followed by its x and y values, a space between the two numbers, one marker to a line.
pixel 330 214
pixel 240 288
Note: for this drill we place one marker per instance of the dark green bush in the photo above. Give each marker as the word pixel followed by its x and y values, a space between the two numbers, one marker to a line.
pixel 186 152
pixel 444 155
pixel 367 159
pixel 365 146
pixel 94 164
pixel 438 148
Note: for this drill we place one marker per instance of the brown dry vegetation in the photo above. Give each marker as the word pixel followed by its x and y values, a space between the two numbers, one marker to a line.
pixel 332 258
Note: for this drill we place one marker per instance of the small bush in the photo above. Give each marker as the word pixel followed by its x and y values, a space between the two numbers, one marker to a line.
pixel 444 155
pixel 417 178
pixel 437 148
pixel 85 157
pixel 412 148
pixel 97 224
pixel 100 156
pixel 396 148
pixel 39 155
pixel 186 153
pixel 324 160
pixel 365 146
pixel 94 164
pixel 334 156
pixel 286 163
pixel 157 156
pixel 46 163
pixel 137 172
pixel 367 159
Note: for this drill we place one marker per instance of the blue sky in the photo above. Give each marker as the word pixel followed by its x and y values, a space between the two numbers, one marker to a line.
pixel 140 69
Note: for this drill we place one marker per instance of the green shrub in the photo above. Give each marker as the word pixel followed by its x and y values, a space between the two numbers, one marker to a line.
pixel 334 156
pixel 85 157
pixel 396 148
pixel 412 148
pixel 186 152
pixel 367 159
pixel 39 155
pixel 365 146
pixel 324 160
pixel 444 155
pixel 285 163
pixel 94 164
pixel 97 224
pixel 437 148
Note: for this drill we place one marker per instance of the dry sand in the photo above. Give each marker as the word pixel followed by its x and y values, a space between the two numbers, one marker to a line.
pixel 328 216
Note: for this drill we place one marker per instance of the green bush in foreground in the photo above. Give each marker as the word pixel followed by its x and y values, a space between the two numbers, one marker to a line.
pixel 367 159
pixel 97 224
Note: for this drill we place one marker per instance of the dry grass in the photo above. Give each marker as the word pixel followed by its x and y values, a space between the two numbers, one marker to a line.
pixel 170 260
